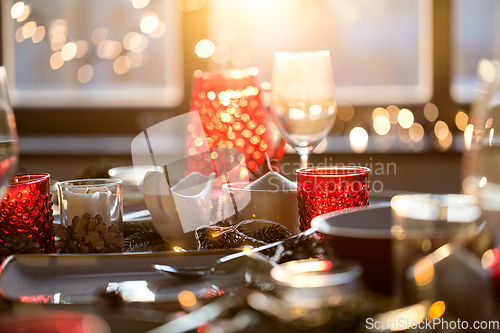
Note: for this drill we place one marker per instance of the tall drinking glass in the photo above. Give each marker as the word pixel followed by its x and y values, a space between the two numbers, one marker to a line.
pixel 303 99
pixel 9 148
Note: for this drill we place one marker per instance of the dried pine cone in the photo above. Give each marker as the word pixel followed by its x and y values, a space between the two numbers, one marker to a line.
pixel 18 245
pixel 89 235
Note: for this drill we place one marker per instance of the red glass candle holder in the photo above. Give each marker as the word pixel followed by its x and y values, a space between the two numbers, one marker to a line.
pixel 26 209
pixel 325 189
pixel 233 117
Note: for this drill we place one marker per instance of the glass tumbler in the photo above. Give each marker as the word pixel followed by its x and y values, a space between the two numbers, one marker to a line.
pixel 94 196
pixel 422 224
pixel 325 189
pixel 26 209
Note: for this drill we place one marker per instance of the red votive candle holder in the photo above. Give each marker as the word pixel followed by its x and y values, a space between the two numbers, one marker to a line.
pixel 325 189
pixel 26 209
pixel 234 118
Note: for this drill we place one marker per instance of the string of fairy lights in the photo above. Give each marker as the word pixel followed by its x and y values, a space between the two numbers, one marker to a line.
pixel 124 54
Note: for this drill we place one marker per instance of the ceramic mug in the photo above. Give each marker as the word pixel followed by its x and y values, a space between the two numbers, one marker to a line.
pixel 280 206
pixel 178 210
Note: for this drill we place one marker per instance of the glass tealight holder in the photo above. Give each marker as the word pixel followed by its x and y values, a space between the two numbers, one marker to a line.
pixel 102 197
pixel 325 189
pixel 26 209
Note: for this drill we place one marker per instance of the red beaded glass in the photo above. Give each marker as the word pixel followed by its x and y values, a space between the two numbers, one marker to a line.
pixel 26 209
pixel 233 116
pixel 325 189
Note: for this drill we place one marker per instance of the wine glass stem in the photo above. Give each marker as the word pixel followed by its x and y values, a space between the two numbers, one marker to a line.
pixel 303 160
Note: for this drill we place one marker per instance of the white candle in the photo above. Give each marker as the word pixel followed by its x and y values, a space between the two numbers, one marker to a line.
pixel 92 200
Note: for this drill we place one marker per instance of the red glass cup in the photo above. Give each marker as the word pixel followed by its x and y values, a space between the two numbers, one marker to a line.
pixel 26 209
pixel 325 189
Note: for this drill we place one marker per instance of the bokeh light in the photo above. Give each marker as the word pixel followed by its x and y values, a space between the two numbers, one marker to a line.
pixel 99 35
pixel 58 27
pixel 159 31
pixel 112 50
pixel 416 132
pixel 38 35
pixel 25 14
pixel 29 29
pixel 56 60
pixel 441 130
pixel 345 111
pixel 424 272
pixel 443 134
pixel 393 114
pixel 405 118
pixel 187 298
pixel 135 42
pixel 191 5
pixel 381 125
pixel 431 112
pixel 461 120
pixel 149 23
pixel 57 42
pixel 437 309
pixel 19 35
pixel 140 3
pixel 17 10
pixel 68 51
pixel 85 73
pixel 380 112
pixel 446 142
pixel 222 54
pixel 204 48
pixel 358 139
pixel 265 86
pixel 486 70
pixel 82 47
pixel 100 49
pixel 121 65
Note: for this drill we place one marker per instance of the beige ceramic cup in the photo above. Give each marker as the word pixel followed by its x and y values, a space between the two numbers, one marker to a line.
pixel 240 203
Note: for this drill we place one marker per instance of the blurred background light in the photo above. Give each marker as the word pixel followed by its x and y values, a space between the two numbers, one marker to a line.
pixel 149 23
pixel 345 111
pixel 85 74
pixel 416 132
pixel 358 139
pixel 393 114
pixel 381 125
pixel 204 48
pixel 431 112
pixel 140 3
pixel 461 120
pixel 405 118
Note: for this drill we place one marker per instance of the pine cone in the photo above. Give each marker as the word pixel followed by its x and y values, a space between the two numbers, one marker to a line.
pixel 89 235
pixel 18 245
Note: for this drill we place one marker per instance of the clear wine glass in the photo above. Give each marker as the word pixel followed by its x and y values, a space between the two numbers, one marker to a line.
pixel 303 99
pixel 9 146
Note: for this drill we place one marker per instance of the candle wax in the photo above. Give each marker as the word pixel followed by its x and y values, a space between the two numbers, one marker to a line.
pixel 93 200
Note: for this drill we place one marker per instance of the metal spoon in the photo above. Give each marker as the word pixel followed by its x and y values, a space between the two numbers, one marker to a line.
pixel 197 272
